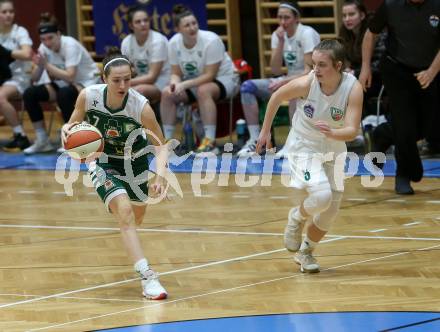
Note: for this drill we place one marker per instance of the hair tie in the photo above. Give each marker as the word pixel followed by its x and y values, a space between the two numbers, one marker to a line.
pixel 48 29
pixel 286 5
pixel 116 59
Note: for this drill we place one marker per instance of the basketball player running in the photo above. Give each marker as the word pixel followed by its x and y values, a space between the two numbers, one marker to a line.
pixel 329 107
pixel 120 113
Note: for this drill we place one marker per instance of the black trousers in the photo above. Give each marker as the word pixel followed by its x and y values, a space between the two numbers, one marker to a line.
pixel 66 98
pixel 414 113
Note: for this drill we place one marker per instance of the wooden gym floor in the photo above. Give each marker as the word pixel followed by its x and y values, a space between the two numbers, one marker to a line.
pixel 62 266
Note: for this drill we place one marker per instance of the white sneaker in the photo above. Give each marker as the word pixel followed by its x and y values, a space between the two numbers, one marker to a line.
pixel 282 153
pixel 249 148
pixel 151 287
pixel 39 146
pixel 307 261
pixel 293 232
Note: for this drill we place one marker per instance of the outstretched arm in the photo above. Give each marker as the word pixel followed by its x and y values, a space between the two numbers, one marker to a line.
pixel 292 90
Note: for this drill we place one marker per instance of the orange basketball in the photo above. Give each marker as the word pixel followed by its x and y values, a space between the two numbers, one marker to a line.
pixel 85 142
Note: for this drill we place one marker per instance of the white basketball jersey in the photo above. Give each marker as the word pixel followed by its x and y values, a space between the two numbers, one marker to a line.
pixel 115 125
pixel 318 106
pixel 208 50
pixel 72 54
pixel 302 42
pixel 13 40
pixel 155 49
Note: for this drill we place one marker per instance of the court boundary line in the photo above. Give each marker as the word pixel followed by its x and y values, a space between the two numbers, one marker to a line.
pixel 77 298
pixel 189 268
pixel 195 231
pixel 226 290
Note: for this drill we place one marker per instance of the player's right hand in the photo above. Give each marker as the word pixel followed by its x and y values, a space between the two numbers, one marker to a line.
pixel 65 131
pixel 280 33
pixel 264 142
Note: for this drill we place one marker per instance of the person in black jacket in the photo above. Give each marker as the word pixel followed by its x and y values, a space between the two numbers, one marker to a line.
pixel 409 71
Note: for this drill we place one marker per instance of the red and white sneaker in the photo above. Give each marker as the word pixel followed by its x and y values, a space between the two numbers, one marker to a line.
pixel 151 287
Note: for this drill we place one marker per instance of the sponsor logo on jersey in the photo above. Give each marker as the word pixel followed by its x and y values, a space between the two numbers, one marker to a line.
pixel 112 132
pixel 190 68
pixel 142 67
pixel 108 184
pixel 309 110
pixel 112 128
pixel 337 114
pixel 434 20
pixel 129 127
pixel 290 58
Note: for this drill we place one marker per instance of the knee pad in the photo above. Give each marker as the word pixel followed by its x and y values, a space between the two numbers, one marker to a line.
pixel 325 219
pixel 247 91
pixel 318 200
pixel 248 87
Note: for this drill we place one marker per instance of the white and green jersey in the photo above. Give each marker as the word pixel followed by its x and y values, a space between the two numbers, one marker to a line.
pixel 154 49
pixel 208 50
pixel 302 42
pixel 121 128
pixel 72 54
pixel 318 106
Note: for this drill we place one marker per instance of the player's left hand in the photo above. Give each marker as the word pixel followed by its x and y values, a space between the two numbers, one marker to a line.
pixel 425 77
pixel 264 142
pixel 323 127
pixel 158 187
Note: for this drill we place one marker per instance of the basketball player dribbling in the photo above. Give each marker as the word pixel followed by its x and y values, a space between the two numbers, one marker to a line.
pixel 121 114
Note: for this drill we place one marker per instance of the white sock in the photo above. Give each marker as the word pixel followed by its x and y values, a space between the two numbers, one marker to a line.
pixel 308 244
pixel 141 266
pixel 18 130
pixel 210 131
pixel 254 131
pixel 168 131
pixel 41 134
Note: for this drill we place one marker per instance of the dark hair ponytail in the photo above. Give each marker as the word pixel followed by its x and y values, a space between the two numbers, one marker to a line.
pixel 48 24
pixel 112 53
pixel 180 11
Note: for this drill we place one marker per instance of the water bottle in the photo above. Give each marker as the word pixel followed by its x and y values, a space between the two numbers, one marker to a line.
pixel 240 128
pixel 189 136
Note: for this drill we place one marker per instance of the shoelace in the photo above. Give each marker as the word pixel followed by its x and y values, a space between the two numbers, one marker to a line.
pixel 149 275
